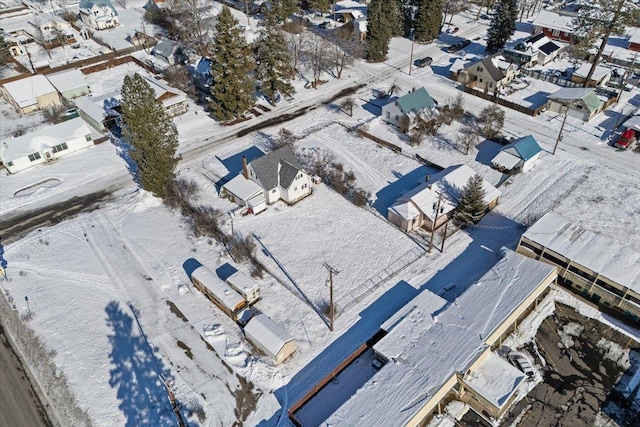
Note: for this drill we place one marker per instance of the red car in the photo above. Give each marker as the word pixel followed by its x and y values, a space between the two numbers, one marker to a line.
pixel 627 138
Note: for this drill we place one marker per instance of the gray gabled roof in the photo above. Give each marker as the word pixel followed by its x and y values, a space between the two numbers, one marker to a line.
pixel 165 47
pixel 496 74
pixel 277 167
pixel 88 4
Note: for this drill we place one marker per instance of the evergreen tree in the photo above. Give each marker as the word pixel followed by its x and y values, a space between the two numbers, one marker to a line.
pixel 151 134
pixel 378 31
pixel 273 63
pixel 406 10
pixel 283 9
pixel 393 11
pixel 471 207
pixel 503 24
pixel 231 65
pixel 5 55
pixel 322 6
pixel 428 20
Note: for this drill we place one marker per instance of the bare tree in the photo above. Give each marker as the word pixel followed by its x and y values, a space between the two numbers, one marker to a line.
pixel 122 3
pixel 491 119
pixel 285 137
pixel 297 39
pixel 178 76
pixel 416 137
pixel 318 58
pixel 457 106
pixel 468 139
pixel 191 22
pixel 54 114
pixel 347 106
pixel 41 38
pixel 343 51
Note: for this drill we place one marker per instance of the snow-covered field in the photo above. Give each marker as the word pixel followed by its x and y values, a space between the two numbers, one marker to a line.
pixel 108 291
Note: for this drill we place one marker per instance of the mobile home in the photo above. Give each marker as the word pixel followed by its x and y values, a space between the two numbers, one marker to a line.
pixel 227 299
pixel 245 286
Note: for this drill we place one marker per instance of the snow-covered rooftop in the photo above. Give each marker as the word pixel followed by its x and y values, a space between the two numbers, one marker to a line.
pixel 610 259
pixel 242 187
pixel 598 73
pixel 26 91
pixel 47 137
pixel 67 80
pixel 548 19
pixel 99 107
pixel 229 297
pixel 427 345
pixel 495 379
pixel 270 335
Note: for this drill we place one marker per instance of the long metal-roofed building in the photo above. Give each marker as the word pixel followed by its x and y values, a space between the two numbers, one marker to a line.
pixel 591 264
pixel 437 350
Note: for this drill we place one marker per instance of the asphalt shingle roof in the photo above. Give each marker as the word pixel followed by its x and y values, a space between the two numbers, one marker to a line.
pixel 279 166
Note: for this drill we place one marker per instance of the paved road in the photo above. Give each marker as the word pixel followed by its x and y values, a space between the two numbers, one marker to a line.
pixel 19 405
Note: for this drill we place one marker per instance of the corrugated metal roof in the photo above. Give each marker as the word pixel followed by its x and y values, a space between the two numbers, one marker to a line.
pixel 526 147
pixel 415 101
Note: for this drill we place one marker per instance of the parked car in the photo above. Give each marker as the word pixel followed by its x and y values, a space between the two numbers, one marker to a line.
pixel 500 139
pixel 627 138
pixel 522 362
pixel 454 48
pixel 465 43
pixel 424 62
pixel 325 25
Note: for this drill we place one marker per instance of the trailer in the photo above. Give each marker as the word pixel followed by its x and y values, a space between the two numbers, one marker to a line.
pixel 245 286
pixel 216 290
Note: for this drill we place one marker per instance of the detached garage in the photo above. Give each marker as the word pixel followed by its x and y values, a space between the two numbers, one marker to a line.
pixel 270 338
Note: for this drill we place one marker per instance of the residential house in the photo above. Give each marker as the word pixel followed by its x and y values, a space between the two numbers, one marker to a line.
pixel 581 103
pixel 173 100
pixel 169 51
pixel 459 64
pixel 554 25
pixel 434 349
pixel 348 15
pixel 601 75
pixel 432 203
pixel 275 176
pixel 98 14
pixel 490 74
pixel 30 94
pixel 405 111
pixel 50 30
pixel 634 41
pixel 270 338
pixel 16 43
pixel 590 263
pixel 100 112
pixel 538 49
pixel 518 156
pixel 45 145
pixel 70 83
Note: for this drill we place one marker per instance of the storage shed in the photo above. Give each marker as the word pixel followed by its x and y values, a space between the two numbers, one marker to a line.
pixel 518 156
pixel 270 338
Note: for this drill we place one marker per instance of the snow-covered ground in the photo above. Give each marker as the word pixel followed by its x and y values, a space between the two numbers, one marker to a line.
pixel 91 279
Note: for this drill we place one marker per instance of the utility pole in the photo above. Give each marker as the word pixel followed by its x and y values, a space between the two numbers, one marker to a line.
pixel 444 235
pixel 332 271
pixel 435 221
pixel 559 138
pixel 413 41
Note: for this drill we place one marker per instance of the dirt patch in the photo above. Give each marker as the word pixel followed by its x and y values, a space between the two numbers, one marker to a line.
pixel 246 400
pixel 580 375
pixel 175 310
pixel 186 348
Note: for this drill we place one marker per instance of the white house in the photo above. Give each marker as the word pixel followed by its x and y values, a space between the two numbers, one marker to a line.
pixel 518 156
pixel 69 83
pixel 45 145
pixel 98 14
pixel 270 338
pixel 275 176
pixel 30 94
pixel 404 111
pixel 50 30
pixel 419 206
pixel 99 111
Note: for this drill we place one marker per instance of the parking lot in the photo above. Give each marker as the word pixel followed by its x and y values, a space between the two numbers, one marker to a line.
pixel 580 385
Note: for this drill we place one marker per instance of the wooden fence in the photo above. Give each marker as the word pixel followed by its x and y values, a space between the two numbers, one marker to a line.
pixel 497 100
pixel 334 373
pixel 380 141
pixel 557 80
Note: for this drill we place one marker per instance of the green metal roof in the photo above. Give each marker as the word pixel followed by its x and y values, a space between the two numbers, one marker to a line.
pixel 592 101
pixel 526 147
pixel 416 101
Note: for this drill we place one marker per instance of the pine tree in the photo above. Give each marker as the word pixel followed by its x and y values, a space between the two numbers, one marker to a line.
pixel 428 20
pixel 231 65
pixel 406 9
pixel 151 134
pixel 378 32
pixel 393 11
pixel 503 24
pixel 283 9
pixel 273 63
pixel 322 6
pixel 471 206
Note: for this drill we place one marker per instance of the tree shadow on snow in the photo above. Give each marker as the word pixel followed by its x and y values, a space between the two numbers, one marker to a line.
pixel 136 373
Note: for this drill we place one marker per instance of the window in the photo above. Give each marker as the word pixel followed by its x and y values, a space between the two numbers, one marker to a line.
pixel 480 69
pixel 554 260
pixel 490 84
pixel 60 147
pixel 480 80
pixel 33 157
pixel 397 117
pixel 555 33
pixel 304 186
pixel 388 114
pixel 273 191
pixel 9 164
pixel 87 137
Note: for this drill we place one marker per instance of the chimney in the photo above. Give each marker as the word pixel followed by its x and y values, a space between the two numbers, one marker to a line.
pixel 245 169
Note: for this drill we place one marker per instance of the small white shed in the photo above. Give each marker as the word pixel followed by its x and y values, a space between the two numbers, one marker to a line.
pixel 270 338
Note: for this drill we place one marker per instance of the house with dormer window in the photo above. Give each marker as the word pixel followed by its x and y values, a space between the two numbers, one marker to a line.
pixel 98 14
